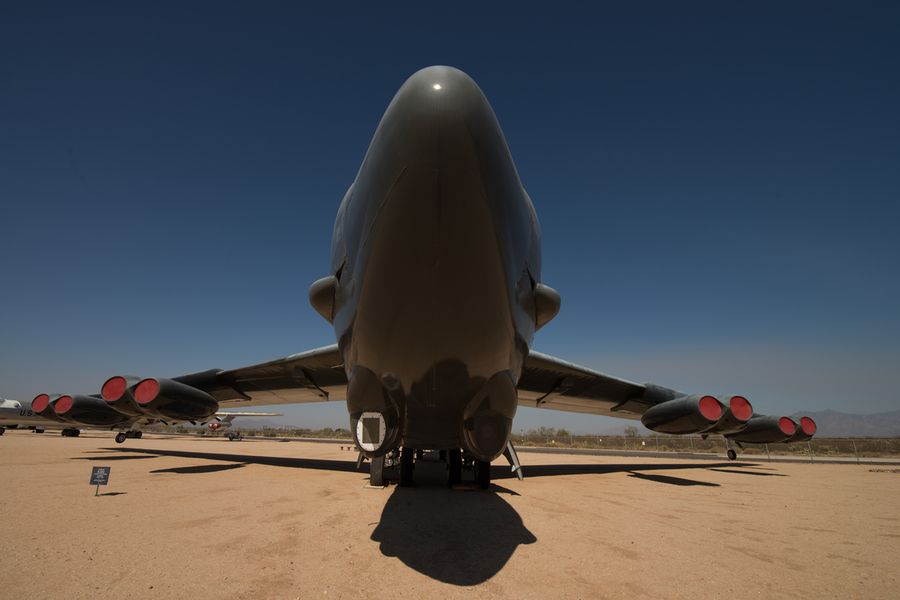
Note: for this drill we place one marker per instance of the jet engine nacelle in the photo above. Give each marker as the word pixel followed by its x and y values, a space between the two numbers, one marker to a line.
pixel 168 399
pixel 117 391
pixel 763 429
pixel 805 431
pixel 737 413
pixel 687 414
pixel 87 410
pixel 42 405
pixel 375 417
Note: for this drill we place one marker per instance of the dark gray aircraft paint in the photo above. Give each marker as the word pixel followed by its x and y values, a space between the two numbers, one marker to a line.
pixel 435 293
pixel 436 257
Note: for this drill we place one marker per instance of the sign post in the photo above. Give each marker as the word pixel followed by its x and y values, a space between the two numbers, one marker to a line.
pixel 99 476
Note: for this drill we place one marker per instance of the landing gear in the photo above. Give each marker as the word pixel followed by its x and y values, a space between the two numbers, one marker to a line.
pixel 483 474
pixel 2 430
pixel 39 430
pixel 124 435
pixel 232 436
pixel 730 452
pixel 376 472
pixel 454 467
pixel 70 432
pixel 406 466
pixel 513 458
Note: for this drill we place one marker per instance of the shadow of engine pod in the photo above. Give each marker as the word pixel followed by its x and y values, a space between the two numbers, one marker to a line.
pixel 487 419
pixel 374 408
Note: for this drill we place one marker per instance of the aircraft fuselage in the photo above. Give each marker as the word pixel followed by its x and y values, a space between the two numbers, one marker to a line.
pixel 436 252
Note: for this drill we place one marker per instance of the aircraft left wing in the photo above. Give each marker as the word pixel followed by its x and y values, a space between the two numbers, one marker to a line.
pixel 550 382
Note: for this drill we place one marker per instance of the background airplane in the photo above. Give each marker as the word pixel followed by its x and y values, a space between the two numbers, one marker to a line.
pixel 435 292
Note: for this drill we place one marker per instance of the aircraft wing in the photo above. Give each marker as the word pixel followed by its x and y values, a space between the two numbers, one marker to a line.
pixel 550 382
pixel 318 376
pixel 313 376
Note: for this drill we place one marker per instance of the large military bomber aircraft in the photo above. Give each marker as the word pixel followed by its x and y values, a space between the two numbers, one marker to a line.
pixel 435 292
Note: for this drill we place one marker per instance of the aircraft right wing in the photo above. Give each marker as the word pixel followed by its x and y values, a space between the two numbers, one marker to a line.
pixel 313 376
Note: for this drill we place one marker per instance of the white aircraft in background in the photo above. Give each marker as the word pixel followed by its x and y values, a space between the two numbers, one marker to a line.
pixel 15 415
pixel 223 420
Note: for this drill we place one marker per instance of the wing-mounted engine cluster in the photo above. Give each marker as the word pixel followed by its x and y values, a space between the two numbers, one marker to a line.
pixel 159 398
pixel 736 420
pixel 123 399
pixel 77 409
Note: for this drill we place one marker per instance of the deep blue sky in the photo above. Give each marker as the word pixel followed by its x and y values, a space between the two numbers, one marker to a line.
pixel 718 184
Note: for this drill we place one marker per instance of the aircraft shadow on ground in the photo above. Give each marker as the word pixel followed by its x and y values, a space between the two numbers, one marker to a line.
pixel 200 469
pixel 756 473
pixel 632 470
pixel 497 472
pixel 670 480
pixel 454 536
pixel 106 458
pixel 244 459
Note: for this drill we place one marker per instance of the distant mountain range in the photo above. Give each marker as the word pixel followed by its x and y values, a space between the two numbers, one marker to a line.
pixel 831 423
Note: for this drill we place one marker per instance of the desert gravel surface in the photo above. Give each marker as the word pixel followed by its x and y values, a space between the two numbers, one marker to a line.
pixel 208 518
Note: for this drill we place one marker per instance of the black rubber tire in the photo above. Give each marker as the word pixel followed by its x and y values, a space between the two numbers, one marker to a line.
pixel 732 455
pixel 376 472
pixel 2 430
pixel 120 438
pixel 454 467
pixel 138 435
pixel 483 474
pixel 406 466
pixel 76 432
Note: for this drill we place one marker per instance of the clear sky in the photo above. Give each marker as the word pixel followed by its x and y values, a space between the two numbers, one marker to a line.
pixel 718 184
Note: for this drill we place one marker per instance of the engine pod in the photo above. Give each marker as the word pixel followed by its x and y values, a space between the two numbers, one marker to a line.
pixel 374 412
pixel 87 410
pixel 764 429
pixel 687 414
pixel 117 392
pixel 168 399
pixel 487 419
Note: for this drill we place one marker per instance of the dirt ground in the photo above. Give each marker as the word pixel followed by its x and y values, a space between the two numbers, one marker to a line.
pixel 193 518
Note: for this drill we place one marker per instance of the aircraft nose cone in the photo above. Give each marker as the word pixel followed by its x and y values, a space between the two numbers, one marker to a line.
pixel 441 91
pixel 437 110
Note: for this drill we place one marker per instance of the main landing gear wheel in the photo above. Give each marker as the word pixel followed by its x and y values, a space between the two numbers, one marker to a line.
pixel 406 466
pixel 483 474
pixel 120 438
pixel 732 455
pixel 376 472
pixel 454 467
pixel 138 435
pixel 2 430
